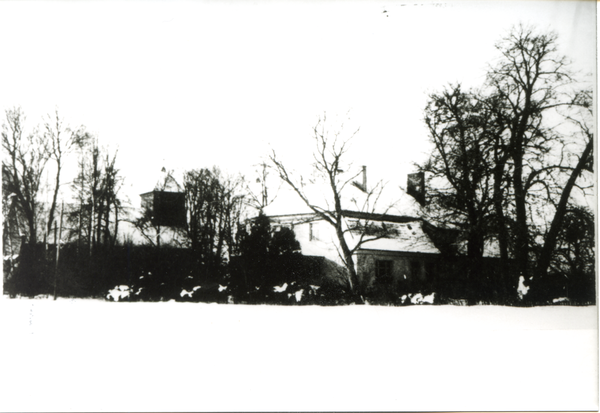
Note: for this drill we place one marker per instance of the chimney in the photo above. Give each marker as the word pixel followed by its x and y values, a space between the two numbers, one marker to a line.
pixel 415 186
pixel 364 174
pixel 362 185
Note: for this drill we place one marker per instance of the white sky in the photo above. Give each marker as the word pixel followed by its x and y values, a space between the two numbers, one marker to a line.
pixel 201 83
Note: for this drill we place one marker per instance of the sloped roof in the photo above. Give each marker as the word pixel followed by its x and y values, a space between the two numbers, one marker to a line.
pixel 409 238
pixel 393 206
pixel 393 200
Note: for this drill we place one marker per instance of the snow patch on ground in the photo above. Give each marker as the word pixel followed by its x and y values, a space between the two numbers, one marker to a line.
pixel 281 288
pixel 120 292
pixel 522 289
pixel 190 293
pixel 416 299
pixel 41 296
pixel 429 299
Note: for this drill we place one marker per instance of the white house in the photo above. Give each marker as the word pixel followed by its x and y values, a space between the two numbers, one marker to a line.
pixel 405 255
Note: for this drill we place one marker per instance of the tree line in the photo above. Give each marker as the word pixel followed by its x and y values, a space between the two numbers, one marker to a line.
pixel 510 171
pixel 513 161
pixel 38 227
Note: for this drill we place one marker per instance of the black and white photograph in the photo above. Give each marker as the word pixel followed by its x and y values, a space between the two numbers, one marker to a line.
pixel 299 205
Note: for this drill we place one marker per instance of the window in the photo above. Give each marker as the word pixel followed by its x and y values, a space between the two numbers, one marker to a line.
pixel 415 268
pixel 429 270
pixel 383 270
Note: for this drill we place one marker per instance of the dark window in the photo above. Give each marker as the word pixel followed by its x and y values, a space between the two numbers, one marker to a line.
pixel 429 269
pixel 383 270
pixel 415 268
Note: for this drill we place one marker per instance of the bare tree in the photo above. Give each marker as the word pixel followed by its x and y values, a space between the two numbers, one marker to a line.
pixel 61 140
pixel 459 170
pixel 263 197
pixel 512 154
pixel 584 164
pixel 96 187
pixel 532 82
pixel 330 168
pixel 25 158
pixel 574 252
pixel 214 204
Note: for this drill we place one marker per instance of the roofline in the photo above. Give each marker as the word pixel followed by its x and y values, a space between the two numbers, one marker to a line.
pixel 359 215
pixel 397 252
pixel 379 217
pixel 158 190
pixel 303 214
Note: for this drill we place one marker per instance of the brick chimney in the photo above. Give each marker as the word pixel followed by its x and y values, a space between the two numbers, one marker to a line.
pixel 415 186
pixel 362 185
pixel 364 176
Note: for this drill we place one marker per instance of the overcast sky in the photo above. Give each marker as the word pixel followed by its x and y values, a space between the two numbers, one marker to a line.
pixel 201 83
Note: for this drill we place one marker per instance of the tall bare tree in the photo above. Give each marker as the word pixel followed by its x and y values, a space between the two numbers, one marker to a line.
pixel 584 164
pixel 23 163
pixel 214 204
pixel 533 82
pixel 331 169
pixel 97 187
pixel 529 146
pixel 61 140
pixel 461 192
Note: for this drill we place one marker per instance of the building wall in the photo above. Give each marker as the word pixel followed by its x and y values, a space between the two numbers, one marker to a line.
pixel 409 272
pixel 317 238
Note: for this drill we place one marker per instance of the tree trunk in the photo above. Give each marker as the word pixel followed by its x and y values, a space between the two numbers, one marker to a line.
pixel 99 223
pixel 116 224
pixel 107 224
pixel 521 235
pixel 348 259
pixel 555 227
pixel 54 198
pixel 475 276
pixel 91 227
pixel 30 215
pixel 500 218
pixel 58 249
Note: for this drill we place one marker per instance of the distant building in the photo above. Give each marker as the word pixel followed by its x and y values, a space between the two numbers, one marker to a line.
pixel 166 208
pixel 162 214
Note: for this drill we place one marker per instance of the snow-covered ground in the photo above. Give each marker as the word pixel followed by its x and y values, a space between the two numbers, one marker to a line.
pixel 81 355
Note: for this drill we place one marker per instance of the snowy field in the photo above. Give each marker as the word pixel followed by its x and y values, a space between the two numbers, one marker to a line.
pixel 81 355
